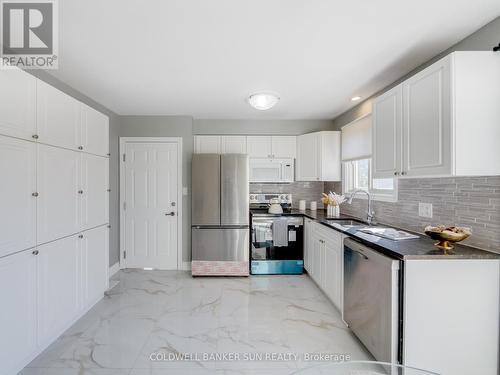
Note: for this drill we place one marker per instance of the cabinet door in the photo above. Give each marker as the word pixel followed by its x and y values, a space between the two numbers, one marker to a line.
pixel 95 131
pixel 58 117
pixel 17 103
pixel 18 205
pixel 386 135
pixel 427 135
pixel 307 157
pixel 329 156
pixel 284 146
pixel 333 279
pixel 18 312
pixel 259 146
pixel 94 188
pixel 58 287
pixel 94 265
pixel 207 144
pixel 58 186
pixel 234 144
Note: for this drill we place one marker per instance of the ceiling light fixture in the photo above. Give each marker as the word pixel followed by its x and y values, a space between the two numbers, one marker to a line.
pixel 263 101
pixel 355 98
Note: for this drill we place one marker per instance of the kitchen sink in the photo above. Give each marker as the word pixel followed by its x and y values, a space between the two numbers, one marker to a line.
pixel 345 225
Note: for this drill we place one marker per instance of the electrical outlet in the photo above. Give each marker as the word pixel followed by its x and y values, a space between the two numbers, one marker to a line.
pixel 425 210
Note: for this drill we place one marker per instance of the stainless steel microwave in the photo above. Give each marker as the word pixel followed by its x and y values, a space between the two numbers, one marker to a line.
pixel 272 170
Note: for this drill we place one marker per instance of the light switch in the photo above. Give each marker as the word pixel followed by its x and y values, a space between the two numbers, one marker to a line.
pixel 184 191
pixel 425 210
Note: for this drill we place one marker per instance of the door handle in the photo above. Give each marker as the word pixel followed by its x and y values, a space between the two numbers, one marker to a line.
pixel 170 214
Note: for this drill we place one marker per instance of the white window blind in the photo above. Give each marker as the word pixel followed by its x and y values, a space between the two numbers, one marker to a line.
pixel 357 139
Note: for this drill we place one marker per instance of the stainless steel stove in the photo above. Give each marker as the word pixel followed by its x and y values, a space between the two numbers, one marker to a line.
pixel 277 239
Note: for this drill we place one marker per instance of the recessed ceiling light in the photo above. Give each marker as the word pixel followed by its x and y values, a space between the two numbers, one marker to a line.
pixel 263 101
pixel 355 98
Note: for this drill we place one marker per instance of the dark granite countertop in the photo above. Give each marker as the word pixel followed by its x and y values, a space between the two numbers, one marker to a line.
pixel 412 249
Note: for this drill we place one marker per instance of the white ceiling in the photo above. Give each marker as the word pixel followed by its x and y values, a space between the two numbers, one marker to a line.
pixel 204 57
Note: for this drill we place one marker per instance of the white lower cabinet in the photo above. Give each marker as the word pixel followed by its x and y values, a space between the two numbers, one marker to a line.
pixel 58 286
pixel 94 264
pixel 46 289
pixel 18 312
pixel 324 258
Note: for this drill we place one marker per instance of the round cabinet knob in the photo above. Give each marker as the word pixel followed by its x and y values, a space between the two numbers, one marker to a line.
pixel 80 191
pixel 35 252
pixel 80 236
pixel 403 173
pixel 80 147
pixel 35 194
pixel 34 136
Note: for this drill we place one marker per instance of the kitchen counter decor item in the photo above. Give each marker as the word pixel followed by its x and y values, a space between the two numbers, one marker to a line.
pixel 447 235
pixel 333 201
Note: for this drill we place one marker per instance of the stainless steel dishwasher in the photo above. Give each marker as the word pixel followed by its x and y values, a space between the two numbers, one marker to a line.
pixel 371 299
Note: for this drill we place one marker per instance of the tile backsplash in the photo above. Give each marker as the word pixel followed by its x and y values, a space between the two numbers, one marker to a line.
pixel 300 190
pixel 472 202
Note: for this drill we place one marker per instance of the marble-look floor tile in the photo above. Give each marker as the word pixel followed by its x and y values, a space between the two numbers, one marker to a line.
pixel 170 313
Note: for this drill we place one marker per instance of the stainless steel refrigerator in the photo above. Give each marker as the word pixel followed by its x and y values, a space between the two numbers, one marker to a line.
pixel 219 215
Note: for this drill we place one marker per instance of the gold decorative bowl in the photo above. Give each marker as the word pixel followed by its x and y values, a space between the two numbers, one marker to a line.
pixel 446 236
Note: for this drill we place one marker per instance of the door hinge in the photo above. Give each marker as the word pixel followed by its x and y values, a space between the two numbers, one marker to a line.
pixel 124 255
pixel 124 158
pixel 124 206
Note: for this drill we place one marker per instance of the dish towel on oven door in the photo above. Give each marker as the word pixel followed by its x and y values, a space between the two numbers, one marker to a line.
pixel 280 232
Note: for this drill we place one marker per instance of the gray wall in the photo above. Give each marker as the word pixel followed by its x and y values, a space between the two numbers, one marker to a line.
pixel 168 126
pixel 113 160
pixel 482 40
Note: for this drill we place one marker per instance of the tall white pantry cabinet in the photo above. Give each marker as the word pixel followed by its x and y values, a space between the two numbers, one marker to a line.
pixel 54 189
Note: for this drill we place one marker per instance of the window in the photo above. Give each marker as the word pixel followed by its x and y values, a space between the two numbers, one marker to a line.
pixel 357 175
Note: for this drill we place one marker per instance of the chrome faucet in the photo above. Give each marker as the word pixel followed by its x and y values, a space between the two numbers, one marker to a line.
pixel 369 214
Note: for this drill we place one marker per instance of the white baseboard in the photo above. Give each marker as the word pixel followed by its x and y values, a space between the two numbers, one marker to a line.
pixel 114 269
pixel 186 266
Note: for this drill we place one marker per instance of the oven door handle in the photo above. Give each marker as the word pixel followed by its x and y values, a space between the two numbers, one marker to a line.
pixel 359 253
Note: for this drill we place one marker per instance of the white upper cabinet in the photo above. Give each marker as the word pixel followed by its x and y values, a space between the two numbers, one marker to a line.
pixel 207 144
pixel 17 190
pixel 284 146
pixel 387 129
pixel 94 191
pixel 58 117
pixel 259 146
pixel 18 318
pixel 427 121
pixel 59 272
pixel 233 144
pixel 17 104
pixel 94 251
pixel 95 131
pixel 443 121
pixel 307 157
pixel 318 156
pixel 58 184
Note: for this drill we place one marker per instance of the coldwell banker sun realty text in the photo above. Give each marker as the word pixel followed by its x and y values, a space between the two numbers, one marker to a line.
pixel 29 34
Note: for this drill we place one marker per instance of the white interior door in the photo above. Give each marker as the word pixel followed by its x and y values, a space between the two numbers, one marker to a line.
pixel 150 207
pixel 17 190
